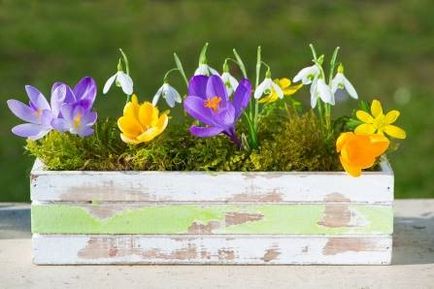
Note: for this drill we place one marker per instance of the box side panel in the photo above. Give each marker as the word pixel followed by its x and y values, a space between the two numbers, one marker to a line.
pixel 206 187
pixel 137 249
pixel 145 218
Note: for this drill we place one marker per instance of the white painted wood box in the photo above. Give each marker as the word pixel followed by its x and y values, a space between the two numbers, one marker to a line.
pixel 87 217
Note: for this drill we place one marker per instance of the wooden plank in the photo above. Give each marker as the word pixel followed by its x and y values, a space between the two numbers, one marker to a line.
pixel 136 249
pixel 228 187
pixel 146 218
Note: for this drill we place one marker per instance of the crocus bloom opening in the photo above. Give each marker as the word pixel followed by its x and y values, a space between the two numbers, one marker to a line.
pixel 231 82
pixel 141 122
pixel 122 79
pixel 169 93
pixel 359 152
pixel 266 87
pixel 37 115
pixel 287 88
pixel 378 122
pixel 209 103
pixel 205 69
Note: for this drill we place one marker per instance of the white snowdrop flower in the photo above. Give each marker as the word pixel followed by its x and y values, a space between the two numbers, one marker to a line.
pixel 205 69
pixel 307 75
pixel 319 89
pixel 122 79
pixel 266 86
pixel 169 93
pixel 230 82
pixel 341 84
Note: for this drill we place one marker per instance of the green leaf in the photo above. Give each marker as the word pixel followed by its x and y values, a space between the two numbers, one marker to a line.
pixel 240 63
pixel 180 67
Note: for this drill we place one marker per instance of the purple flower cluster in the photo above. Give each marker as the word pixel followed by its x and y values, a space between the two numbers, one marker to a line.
pixel 68 110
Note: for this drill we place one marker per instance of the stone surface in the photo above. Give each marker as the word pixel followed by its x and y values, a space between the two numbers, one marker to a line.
pixel 412 264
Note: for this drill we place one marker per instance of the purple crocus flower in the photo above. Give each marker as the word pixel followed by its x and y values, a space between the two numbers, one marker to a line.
pixel 38 115
pixel 208 102
pixel 41 117
pixel 75 113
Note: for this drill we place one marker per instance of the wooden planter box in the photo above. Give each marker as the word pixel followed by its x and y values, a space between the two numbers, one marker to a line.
pixel 86 217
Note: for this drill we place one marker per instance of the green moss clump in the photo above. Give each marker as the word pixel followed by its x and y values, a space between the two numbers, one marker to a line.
pixel 290 142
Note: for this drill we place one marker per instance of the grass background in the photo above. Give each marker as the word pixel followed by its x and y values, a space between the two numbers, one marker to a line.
pixel 387 48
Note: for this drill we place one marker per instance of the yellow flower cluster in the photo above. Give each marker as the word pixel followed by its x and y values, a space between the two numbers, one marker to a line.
pixel 359 150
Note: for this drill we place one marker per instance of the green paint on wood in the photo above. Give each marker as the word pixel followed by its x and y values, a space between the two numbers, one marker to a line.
pixel 220 219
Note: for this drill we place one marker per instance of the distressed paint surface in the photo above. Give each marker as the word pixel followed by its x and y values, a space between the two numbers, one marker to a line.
pixel 136 249
pixel 124 218
pixel 228 187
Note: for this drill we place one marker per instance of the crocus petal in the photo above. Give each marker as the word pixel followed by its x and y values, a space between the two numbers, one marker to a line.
pixel 226 116
pixel 262 87
pixel 391 116
pixel 60 124
pixel 148 134
pixel 365 129
pixel 376 108
pixel 129 126
pixel 37 98
pixel 126 82
pixel 157 96
pixel 89 118
pixel 194 106
pixel 58 95
pixel 350 89
pixel 85 131
pixel 395 131
pixel 197 86
pixel 30 130
pixel 216 87
pixel 354 171
pixel 242 97
pixel 22 111
pixel 148 114
pixel 109 83
pixel 86 89
pixel 205 131
pixel 213 71
pixel 364 116
pixel 67 111
pixel 128 140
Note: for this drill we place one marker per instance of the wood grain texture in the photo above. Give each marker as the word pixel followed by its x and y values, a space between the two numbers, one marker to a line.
pixel 136 249
pixel 227 187
pixel 145 218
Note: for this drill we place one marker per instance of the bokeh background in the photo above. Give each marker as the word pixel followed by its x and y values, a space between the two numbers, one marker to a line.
pixel 387 48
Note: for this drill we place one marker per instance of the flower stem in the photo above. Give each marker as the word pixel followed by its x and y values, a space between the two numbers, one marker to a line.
pixel 127 66
pixel 180 68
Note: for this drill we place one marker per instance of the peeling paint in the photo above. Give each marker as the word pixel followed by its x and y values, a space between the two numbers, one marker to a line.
pixel 274 196
pixel 203 229
pixel 336 216
pixel 271 254
pixel 236 218
pixel 226 254
pixel 341 245
pixel 336 197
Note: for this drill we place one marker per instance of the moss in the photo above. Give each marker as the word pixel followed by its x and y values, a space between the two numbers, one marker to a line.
pixel 290 142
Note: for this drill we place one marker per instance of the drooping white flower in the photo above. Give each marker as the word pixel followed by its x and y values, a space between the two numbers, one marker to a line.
pixel 230 82
pixel 205 69
pixel 341 84
pixel 169 93
pixel 266 86
pixel 122 79
pixel 319 89
pixel 307 75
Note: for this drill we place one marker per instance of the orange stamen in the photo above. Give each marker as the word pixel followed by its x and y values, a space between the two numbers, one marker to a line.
pixel 213 103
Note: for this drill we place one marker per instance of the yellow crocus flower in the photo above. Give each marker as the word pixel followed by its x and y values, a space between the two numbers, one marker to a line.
pixel 378 122
pixel 285 85
pixel 141 122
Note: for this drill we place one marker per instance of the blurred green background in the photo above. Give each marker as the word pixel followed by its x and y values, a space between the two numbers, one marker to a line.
pixel 387 48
